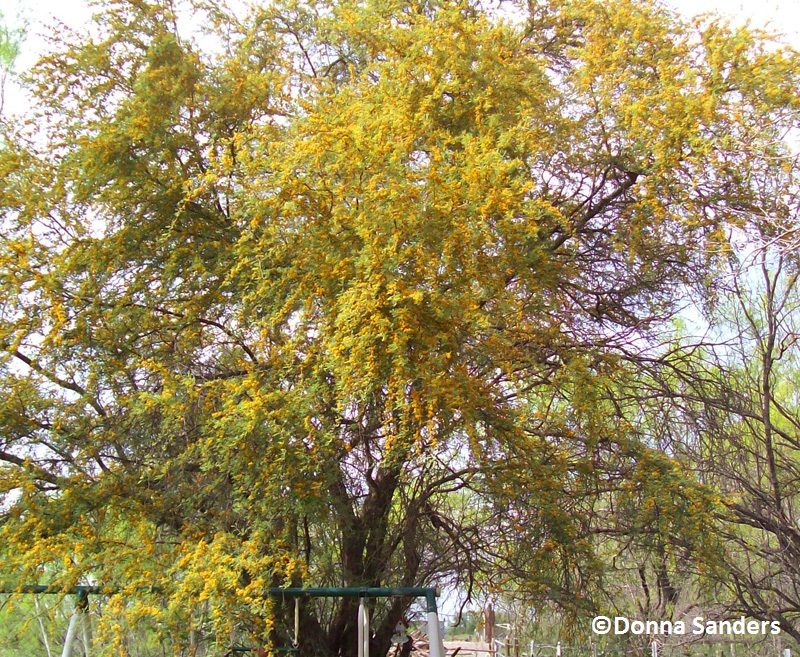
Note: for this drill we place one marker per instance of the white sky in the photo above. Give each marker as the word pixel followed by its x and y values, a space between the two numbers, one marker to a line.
pixel 777 15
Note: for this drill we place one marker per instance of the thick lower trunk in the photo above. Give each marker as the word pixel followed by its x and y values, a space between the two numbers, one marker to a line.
pixel 365 562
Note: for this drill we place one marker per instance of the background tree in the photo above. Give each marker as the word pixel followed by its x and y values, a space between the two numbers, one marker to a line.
pixel 726 400
pixel 11 39
pixel 737 422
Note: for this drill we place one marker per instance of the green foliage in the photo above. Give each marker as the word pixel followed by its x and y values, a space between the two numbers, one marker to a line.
pixel 10 43
pixel 19 633
pixel 11 39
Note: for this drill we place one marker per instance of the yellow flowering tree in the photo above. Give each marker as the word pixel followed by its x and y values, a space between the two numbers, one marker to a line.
pixel 340 293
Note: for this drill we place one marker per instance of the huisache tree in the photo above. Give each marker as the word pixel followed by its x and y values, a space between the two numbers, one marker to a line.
pixel 335 293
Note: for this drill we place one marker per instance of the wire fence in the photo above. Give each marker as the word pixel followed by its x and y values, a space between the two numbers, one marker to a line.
pixel 707 648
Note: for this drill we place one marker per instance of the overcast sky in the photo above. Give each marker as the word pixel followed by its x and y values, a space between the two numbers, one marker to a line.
pixel 776 15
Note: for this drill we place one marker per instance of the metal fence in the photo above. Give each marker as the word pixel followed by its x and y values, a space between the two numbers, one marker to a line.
pixel 512 648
